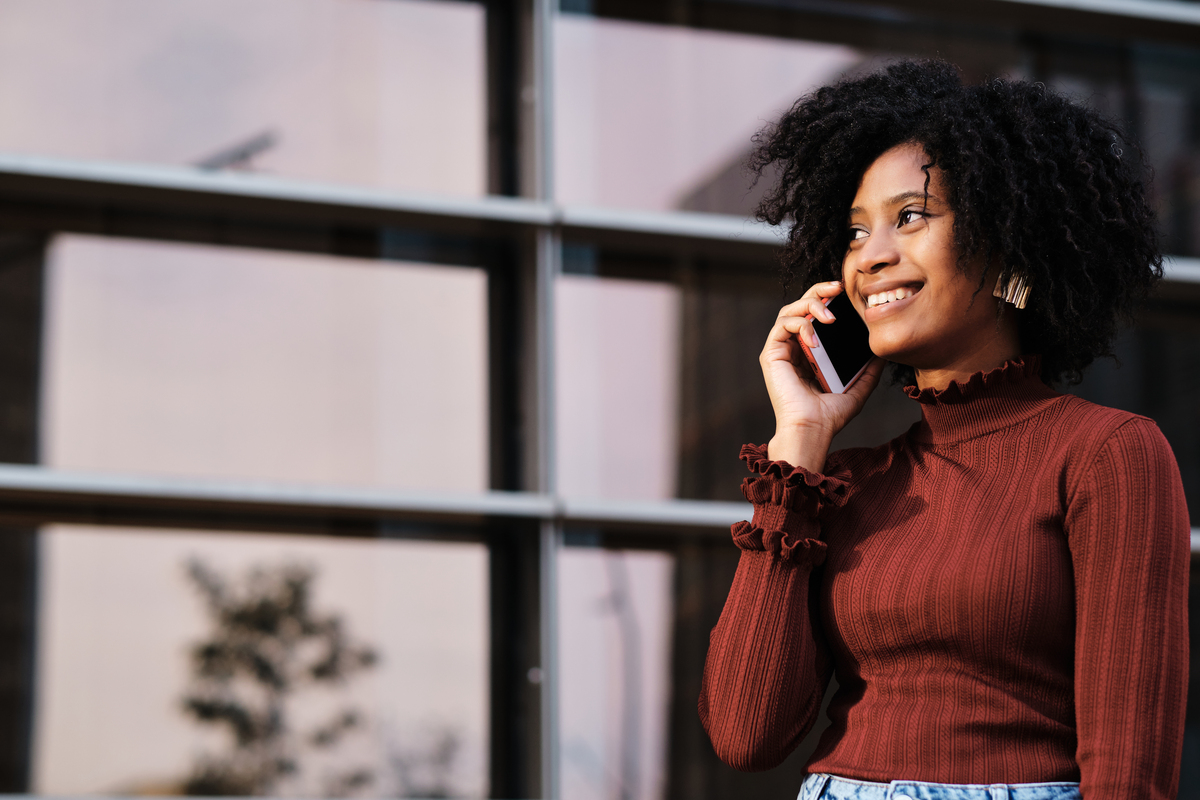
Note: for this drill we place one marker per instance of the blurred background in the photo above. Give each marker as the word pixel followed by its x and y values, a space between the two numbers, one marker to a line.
pixel 373 372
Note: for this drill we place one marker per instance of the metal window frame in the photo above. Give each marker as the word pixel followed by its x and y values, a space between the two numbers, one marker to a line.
pixel 154 201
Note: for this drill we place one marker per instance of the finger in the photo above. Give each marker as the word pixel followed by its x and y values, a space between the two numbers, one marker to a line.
pixel 788 327
pixel 867 382
pixel 817 292
pixel 813 307
pixel 801 365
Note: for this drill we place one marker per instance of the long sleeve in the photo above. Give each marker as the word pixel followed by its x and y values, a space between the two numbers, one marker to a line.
pixel 767 668
pixel 1128 532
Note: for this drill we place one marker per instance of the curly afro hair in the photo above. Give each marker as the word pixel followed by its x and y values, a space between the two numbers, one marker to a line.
pixel 1046 188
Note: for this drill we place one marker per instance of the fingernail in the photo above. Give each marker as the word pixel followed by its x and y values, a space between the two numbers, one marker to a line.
pixel 828 314
pixel 816 341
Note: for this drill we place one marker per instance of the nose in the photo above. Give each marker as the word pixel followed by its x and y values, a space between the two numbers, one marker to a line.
pixel 877 252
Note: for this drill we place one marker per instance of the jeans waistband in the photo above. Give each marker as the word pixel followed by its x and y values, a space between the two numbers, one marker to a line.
pixel 827 787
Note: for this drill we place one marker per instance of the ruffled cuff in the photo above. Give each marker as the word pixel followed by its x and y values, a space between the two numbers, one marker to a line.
pixel 783 546
pixel 781 484
pixel 787 500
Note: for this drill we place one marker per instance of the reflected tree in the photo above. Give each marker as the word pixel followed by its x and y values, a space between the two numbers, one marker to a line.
pixel 426 771
pixel 267 645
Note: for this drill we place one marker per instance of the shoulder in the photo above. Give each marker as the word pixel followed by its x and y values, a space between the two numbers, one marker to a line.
pixel 1093 417
pixel 1126 492
pixel 1112 445
pixel 1087 427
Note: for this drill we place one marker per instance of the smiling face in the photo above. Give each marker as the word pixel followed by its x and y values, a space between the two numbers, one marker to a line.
pixel 901 273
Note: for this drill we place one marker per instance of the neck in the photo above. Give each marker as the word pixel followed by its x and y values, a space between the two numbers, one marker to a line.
pixel 961 372
pixel 986 356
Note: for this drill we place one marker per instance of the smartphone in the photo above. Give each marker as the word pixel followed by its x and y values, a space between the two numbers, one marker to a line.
pixel 844 346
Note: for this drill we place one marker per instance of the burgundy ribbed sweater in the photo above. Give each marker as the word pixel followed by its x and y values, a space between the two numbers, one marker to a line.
pixel 1002 592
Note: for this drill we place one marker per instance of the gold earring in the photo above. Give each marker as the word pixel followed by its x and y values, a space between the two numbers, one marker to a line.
pixel 1016 291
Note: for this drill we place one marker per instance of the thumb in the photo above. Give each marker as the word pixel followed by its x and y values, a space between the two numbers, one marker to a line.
pixel 867 382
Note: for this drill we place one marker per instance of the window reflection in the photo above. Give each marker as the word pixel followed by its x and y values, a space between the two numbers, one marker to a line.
pixel 658 381
pixel 220 362
pixel 617 387
pixel 378 92
pixel 651 116
pixel 119 619
pixel 615 617
pixel 661 117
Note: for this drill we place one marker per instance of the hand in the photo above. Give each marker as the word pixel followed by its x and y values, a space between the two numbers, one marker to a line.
pixel 807 417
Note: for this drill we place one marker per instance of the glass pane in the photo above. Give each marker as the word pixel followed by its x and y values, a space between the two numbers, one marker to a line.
pixel 615 611
pixel 127 704
pixel 1157 373
pixel 617 367
pixel 1189 778
pixel 1155 90
pixel 658 383
pixel 199 360
pixel 659 117
pixel 380 92
pixel 633 631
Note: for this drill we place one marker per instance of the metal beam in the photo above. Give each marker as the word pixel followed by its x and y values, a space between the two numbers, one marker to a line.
pixel 235 195
pixel 1181 269
pixel 41 495
pixel 230 194
pixel 669 514
pixel 921 28
pixel 190 191
pixel 1172 11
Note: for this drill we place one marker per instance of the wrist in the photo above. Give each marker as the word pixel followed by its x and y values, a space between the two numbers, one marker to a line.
pixel 801 445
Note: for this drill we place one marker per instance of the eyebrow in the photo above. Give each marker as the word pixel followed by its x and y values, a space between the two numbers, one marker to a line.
pixel 901 198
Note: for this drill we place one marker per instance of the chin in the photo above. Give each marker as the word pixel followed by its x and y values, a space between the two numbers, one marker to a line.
pixel 887 347
pixel 906 356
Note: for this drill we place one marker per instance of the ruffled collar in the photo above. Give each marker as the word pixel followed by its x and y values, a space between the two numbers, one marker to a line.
pixel 984 403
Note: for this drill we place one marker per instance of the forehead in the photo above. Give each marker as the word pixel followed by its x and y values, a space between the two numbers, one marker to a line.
pixel 897 171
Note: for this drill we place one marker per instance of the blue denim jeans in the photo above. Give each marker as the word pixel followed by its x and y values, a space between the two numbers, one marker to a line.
pixel 827 787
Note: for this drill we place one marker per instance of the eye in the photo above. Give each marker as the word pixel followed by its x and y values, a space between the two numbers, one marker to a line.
pixel 909 215
pixel 857 234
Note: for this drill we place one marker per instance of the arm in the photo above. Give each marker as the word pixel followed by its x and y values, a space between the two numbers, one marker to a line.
pixel 767 667
pixel 1128 531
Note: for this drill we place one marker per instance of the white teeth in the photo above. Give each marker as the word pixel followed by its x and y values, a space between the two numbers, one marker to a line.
pixel 887 297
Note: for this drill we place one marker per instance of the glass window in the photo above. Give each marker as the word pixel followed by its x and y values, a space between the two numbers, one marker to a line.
pixel 635 613
pixel 1156 92
pixel 615 615
pixel 380 648
pixel 1157 373
pixel 379 92
pixel 207 361
pixel 1189 779
pixel 660 117
pixel 658 380
pixel 617 378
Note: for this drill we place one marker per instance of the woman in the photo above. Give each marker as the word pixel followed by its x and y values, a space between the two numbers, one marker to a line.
pixel 1002 590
